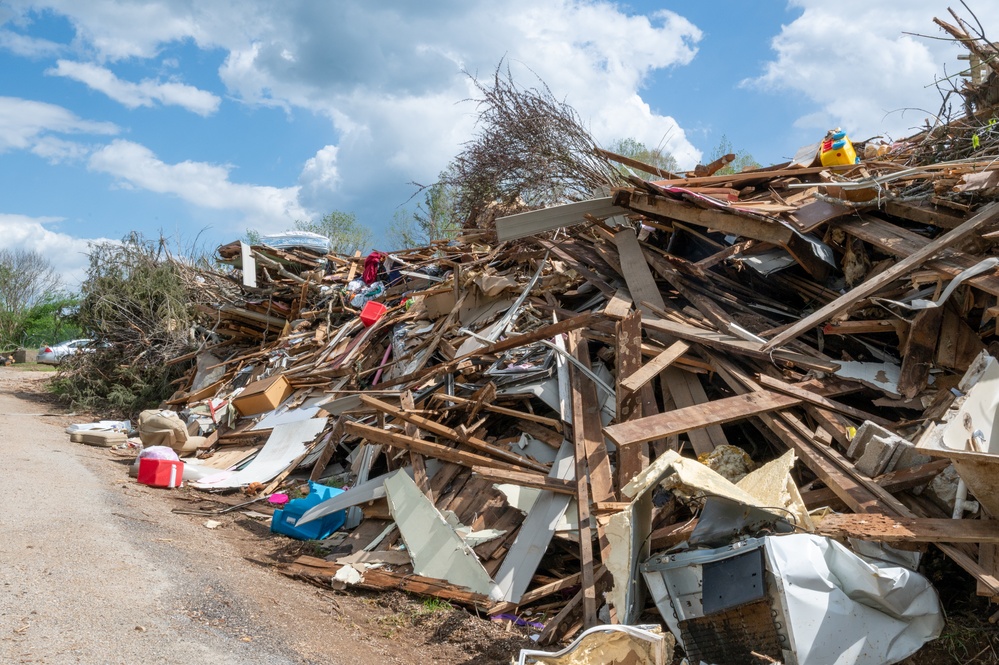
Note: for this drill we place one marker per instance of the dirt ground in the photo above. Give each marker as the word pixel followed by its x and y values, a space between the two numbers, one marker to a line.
pixel 95 568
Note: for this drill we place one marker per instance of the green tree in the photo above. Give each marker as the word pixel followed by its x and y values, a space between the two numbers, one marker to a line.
pixel 342 228
pixel 50 321
pixel 661 159
pixel 27 279
pixel 346 234
pixel 436 218
pixel 743 160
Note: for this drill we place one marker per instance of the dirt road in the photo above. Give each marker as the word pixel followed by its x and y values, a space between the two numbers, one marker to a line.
pixel 94 568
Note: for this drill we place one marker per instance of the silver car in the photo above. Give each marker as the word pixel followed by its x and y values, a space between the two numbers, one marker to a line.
pixel 53 355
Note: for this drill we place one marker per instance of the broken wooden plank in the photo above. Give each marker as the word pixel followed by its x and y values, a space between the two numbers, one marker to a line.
pixel 320 570
pixel 819 400
pixel 416 459
pixel 893 481
pixel 629 404
pixel 588 593
pixel 650 370
pixel 427 448
pixel 438 429
pixel 525 479
pixel 874 284
pixel 882 528
pixel 717 412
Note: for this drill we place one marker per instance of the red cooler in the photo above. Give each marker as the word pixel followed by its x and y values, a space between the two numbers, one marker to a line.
pixel 160 472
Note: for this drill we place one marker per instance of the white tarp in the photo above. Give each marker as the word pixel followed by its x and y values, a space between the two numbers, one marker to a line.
pixel 286 443
pixel 846 610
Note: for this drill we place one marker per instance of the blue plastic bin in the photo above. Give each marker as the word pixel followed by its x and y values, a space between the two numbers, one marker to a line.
pixel 286 521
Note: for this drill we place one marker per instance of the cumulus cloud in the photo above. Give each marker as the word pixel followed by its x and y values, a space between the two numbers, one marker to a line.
pixel 853 62
pixel 389 75
pixel 68 255
pixel 201 184
pixel 25 124
pixel 28 47
pixel 133 95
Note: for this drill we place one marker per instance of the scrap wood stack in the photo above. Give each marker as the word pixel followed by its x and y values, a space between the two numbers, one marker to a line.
pixel 515 399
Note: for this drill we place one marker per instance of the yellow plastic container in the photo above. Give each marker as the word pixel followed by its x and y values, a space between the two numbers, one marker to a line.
pixel 837 149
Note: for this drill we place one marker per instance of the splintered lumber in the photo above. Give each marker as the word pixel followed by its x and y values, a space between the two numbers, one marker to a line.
pixel 426 448
pixel 873 285
pixel 526 479
pixel 883 528
pixel 438 429
pixel 629 404
pixel 588 594
pixel 717 412
pixel 724 221
pixel 730 344
pixel 893 481
pixel 320 570
pixel 684 389
pixel 654 367
pixel 619 305
pixel 416 459
pixel 539 593
pixel 819 400
pixel 586 423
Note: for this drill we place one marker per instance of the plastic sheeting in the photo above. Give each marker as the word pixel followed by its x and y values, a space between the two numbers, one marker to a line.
pixel 846 610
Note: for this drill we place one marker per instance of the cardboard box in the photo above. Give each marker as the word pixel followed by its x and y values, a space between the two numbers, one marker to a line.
pixel 160 472
pixel 262 396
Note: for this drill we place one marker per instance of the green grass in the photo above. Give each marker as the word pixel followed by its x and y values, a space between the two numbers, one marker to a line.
pixel 436 605
pixel 32 367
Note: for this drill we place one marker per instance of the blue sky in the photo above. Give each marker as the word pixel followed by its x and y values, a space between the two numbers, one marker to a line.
pixel 203 119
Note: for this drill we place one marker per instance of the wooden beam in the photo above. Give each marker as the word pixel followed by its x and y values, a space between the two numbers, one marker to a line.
pixel 717 412
pixel 427 448
pixel 876 283
pixel 901 242
pixel 438 429
pixel 320 570
pixel 883 528
pixel 628 341
pixel 635 164
pixel 654 367
pixel 819 400
pixel 736 345
pixel 731 223
pixel 894 481
pixel 526 479
pixel 415 458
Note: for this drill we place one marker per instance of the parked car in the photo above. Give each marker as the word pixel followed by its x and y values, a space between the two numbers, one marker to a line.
pixel 53 354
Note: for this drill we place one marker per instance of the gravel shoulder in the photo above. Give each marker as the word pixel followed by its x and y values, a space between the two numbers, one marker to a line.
pixel 94 568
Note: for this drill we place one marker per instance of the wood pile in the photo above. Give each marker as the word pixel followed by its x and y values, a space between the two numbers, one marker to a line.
pixel 524 374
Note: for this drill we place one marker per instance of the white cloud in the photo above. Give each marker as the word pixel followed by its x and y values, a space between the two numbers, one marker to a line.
pixel 320 178
pixel 28 47
pixel 201 184
pixel 145 93
pixel 67 254
pixel 389 75
pixel 25 123
pixel 852 60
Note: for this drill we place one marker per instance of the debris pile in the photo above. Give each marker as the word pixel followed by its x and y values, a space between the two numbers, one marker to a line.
pixel 513 414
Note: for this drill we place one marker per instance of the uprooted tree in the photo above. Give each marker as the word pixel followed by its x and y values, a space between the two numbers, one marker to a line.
pixel 530 150
pixel 138 306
